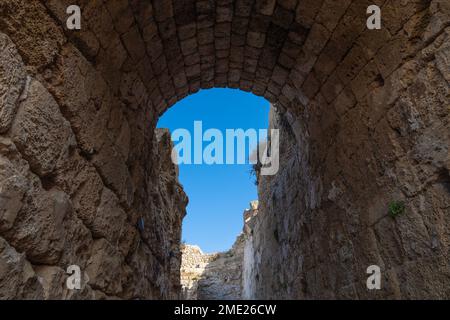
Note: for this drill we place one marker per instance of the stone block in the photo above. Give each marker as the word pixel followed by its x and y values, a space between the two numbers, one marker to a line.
pixel 188 46
pixel 12 81
pixel 162 10
pixel 40 131
pixel 17 277
pixel 351 65
pixel 187 31
pixel 265 7
pixel 283 17
pixel 256 39
pixel 317 38
pixel 243 8
pixel 134 44
pixel 105 268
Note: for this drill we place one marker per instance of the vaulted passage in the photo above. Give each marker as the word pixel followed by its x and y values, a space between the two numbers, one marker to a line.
pixel 86 180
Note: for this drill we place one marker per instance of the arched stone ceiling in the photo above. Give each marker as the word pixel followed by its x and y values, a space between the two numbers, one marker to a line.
pixel 280 49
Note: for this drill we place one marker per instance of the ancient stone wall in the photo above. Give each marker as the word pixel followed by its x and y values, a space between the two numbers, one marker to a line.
pixel 193 264
pixel 368 110
pixel 84 179
pixel 325 217
pixel 222 278
pixel 251 256
pixel 214 276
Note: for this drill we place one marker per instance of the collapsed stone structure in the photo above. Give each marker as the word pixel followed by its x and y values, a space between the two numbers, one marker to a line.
pixel 226 275
pixel 364 119
pixel 215 276
pixel 193 264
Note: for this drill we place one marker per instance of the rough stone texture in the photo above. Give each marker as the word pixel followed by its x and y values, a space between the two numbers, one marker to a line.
pixel 37 125
pixel 329 203
pixel 67 192
pixel 193 264
pixel 365 112
pixel 17 277
pixel 216 276
pixel 225 275
pixel 250 255
pixel 222 278
pixel 12 81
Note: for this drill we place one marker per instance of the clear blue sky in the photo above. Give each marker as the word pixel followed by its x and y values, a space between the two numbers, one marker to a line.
pixel 218 194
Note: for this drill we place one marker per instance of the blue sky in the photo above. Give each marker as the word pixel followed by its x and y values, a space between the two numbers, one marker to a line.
pixel 218 194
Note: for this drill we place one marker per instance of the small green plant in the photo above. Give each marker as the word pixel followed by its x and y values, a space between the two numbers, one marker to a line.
pixel 396 208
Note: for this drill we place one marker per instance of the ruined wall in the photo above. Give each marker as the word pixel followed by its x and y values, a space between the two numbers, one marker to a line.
pixel 222 278
pixel 356 147
pixel 214 276
pixel 193 264
pixel 81 167
pixel 251 256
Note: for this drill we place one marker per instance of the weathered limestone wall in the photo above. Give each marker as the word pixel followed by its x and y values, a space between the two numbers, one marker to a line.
pixel 215 276
pixel 222 278
pixel 368 110
pixel 81 167
pixel 323 219
pixel 193 264
pixel 251 256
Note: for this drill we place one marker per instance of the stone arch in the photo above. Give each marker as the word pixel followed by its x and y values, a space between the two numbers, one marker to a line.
pixel 282 50
pixel 357 101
